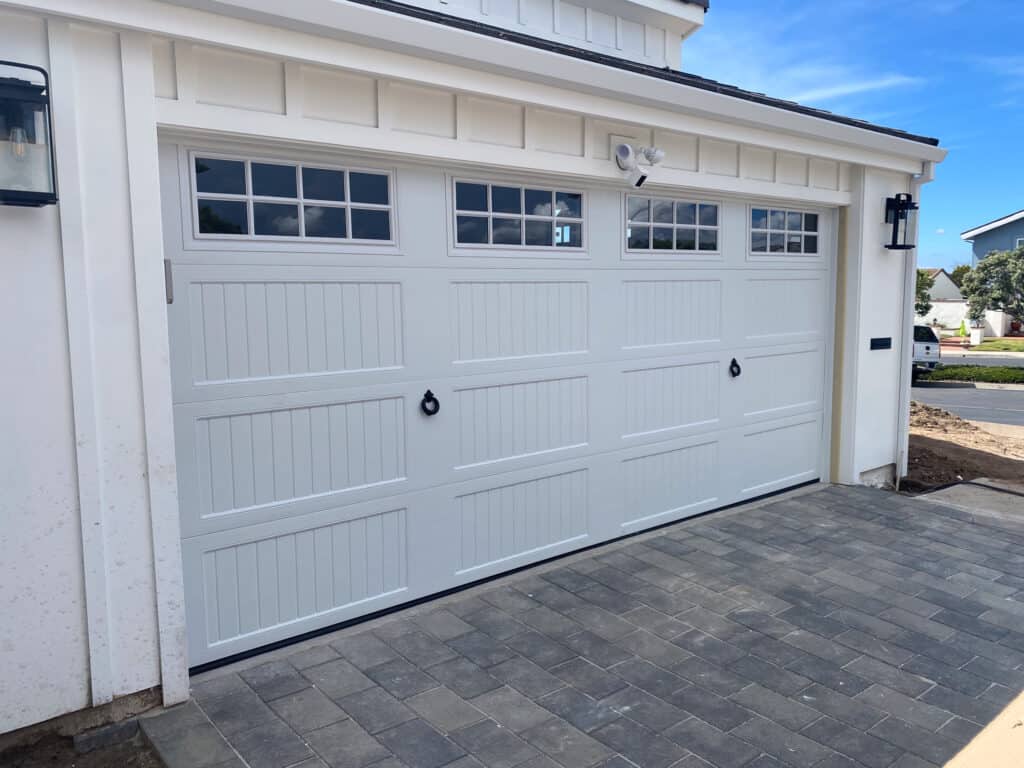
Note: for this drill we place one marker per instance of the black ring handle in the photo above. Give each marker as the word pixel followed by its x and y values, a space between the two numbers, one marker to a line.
pixel 734 368
pixel 430 405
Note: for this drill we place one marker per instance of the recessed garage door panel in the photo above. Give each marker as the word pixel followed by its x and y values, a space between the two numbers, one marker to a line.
pixel 777 455
pixel 585 392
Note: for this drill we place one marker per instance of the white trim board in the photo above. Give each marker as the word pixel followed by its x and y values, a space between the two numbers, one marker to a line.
pixel 532 81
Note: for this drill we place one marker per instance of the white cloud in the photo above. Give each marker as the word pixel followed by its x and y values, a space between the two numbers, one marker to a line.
pixel 807 55
pixel 940 231
pixel 850 87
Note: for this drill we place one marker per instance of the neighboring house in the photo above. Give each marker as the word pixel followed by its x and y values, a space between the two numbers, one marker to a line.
pixel 948 308
pixel 1004 234
pixel 348 303
pixel 944 288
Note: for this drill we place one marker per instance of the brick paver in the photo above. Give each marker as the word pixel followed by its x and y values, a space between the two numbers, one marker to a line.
pixel 840 627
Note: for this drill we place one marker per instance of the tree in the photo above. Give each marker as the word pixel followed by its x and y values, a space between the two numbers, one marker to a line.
pixel 996 283
pixel 922 301
pixel 960 271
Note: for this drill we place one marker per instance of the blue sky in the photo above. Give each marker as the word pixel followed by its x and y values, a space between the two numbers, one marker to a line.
pixel 953 69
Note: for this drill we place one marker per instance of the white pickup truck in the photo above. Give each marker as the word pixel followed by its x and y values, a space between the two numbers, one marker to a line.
pixel 927 350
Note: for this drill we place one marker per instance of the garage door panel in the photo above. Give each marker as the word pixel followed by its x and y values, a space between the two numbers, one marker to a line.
pixel 286 577
pixel 668 481
pixel 515 319
pixel 515 520
pixel 671 397
pixel 508 420
pixel 780 381
pixel 671 311
pixel 777 455
pixel 260 329
pixel 246 460
pixel 783 307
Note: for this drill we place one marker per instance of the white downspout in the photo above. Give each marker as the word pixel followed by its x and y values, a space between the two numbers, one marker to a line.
pixel 907 331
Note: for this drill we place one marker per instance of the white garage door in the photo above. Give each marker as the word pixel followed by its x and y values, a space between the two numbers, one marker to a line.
pixel 602 363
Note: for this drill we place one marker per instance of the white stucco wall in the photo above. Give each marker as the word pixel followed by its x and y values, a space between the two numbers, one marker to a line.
pixel 42 635
pixel 79 617
pixel 91 560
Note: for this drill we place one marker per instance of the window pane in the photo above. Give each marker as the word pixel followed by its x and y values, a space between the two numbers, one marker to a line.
pixel 759 242
pixel 662 239
pixel 639 209
pixel 538 233
pixel 506 199
pixel 368 188
pixel 777 243
pixel 538 202
pixel 709 215
pixel 662 211
pixel 321 184
pixel 470 197
pixel 639 237
pixel 810 243
pixel 507 231
pixel 371 225
pixel 686 239
pixel 794 221
pixel 275 219
pixel 471 229
pixel 224 176
pixel 686 213
pixel 794 243
pixel 759 218
pixel 273 180
pixel 323 221
pixel 569 204
pixel 569 235
pixel 810 222
pixel 777 220
pixel 708 239
pixel 223 217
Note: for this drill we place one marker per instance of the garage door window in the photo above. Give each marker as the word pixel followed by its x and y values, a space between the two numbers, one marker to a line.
pixel 504 216
pixel 238 198
pixel 663 224
pixel 778 231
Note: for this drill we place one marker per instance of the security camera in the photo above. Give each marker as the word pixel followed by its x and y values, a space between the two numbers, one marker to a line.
pixel 628 160
pixel 636 177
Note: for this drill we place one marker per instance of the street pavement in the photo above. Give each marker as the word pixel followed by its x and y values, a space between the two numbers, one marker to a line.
pixel 952 356
pixel 1003 406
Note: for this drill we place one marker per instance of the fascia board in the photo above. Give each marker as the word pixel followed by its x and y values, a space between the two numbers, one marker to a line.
pixel 663 104
pixel 970 234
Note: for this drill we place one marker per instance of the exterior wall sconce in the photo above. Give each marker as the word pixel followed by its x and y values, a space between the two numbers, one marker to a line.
pixel 26 140
pixel 898 213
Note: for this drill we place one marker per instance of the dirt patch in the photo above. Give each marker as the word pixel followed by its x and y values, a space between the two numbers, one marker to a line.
pixel 59 752
pixel 947 449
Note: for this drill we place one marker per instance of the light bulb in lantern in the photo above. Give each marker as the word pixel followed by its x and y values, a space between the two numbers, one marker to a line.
pixel 19 143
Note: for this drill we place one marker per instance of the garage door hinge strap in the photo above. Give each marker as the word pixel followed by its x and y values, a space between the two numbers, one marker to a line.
pixel 168 282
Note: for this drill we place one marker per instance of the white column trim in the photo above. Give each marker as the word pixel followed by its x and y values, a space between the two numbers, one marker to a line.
pixel 907 325
pixel 147 250
pixel 81 359
pixel 850 367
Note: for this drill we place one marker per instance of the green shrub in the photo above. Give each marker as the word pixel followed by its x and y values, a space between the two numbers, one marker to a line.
pixel 981 373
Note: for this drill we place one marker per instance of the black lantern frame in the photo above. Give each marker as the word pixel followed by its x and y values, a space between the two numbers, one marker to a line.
pixel 898 212
pixel 15 90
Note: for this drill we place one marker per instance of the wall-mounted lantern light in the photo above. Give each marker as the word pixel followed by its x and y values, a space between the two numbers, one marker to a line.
pixel 899 211
pixel 26 139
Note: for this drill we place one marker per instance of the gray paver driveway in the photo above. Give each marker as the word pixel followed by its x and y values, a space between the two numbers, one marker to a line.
pixel 840 627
